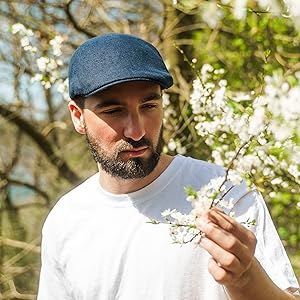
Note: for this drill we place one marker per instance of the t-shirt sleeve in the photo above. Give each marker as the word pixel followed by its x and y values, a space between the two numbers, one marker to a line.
pixel 52 284
pixel 269 249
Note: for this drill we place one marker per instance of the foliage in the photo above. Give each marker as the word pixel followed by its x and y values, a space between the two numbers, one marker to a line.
pixel 247 98
pixel 41 157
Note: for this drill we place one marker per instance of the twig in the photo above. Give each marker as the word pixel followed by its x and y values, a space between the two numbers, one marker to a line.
pixel 20 244
pixel 229 168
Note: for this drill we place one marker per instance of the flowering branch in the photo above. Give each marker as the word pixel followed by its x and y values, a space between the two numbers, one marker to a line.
pixel 212 10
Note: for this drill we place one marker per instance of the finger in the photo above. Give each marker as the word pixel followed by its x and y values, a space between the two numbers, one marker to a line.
pixel 227 260
pixel 220 275
pixel 225 240
pixel 218 216
pixel 198 212
pixel 246 236
pixel 230 225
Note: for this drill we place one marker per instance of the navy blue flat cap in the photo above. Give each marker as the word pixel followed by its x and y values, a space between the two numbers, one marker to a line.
pixel 113 58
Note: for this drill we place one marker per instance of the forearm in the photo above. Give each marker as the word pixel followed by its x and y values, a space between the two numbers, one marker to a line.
pixel 257 285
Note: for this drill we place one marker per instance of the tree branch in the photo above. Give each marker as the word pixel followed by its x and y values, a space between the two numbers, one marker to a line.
pixel 73 21
pixel 20 244
pixel 30 186
pixel 62 167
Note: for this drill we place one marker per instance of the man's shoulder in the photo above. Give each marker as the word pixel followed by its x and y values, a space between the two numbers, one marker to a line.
pixel 72 201
pixel 87 186
pixel 199 166
pixel 199 173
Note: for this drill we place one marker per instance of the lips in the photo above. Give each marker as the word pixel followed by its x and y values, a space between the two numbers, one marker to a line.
pixel 135 152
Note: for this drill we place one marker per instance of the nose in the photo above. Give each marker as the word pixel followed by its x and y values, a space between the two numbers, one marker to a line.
pixel 134 127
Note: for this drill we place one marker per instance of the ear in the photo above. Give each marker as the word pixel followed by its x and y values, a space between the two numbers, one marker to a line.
pixel 77 117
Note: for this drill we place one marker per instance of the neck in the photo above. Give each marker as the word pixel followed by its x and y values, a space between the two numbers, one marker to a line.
pixel 117 185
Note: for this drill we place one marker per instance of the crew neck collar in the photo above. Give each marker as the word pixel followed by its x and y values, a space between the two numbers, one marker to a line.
pixel 144 193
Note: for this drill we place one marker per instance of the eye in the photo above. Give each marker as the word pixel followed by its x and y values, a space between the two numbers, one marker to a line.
pixel 150 106
pixel 112 111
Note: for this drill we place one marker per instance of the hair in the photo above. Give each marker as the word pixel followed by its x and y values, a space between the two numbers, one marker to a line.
pixel 79 100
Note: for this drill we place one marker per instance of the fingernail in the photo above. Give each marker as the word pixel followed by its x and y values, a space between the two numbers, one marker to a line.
pixel 201 223
pixel 197 212
pixel 203 241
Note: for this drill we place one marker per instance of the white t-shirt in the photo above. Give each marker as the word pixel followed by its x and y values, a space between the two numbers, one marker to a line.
pixel 100 246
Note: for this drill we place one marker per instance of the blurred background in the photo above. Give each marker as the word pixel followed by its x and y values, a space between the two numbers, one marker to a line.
pixel 42 157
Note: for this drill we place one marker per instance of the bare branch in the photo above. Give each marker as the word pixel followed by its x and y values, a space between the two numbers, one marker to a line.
pixel 20 244
pixel 74 22
pixel 30 186
pixel 62 167
pixel 27 247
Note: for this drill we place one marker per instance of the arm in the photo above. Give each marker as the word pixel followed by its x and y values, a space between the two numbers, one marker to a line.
pixel 52 284
pixel 259 286
pixel 233 264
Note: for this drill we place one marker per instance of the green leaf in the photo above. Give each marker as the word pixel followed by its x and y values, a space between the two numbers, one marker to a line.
pixel 190 191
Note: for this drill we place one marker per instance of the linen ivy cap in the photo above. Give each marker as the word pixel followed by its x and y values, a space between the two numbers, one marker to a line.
pixel 114 58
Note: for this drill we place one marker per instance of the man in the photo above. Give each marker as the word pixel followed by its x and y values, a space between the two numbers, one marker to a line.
pixel 98 242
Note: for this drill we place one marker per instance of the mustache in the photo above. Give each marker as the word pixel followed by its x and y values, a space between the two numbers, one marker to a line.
pixel 131 144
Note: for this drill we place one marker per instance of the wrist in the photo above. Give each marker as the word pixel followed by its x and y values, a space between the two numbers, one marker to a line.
pixel 246 276
pixel 244 284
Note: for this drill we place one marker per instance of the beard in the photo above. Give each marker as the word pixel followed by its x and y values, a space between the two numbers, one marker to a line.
pixel 133 168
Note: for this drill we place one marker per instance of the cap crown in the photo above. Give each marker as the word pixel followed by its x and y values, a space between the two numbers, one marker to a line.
pixel 114 58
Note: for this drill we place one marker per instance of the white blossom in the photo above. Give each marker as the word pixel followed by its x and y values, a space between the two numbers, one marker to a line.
pixel 182 226
pixel 247 162
pixel 294 170
pixel 18 27
pixel 234 177
pixel 175 145
pixel 46 84
pixel 56 45
pixel 62 87
pixel 216 154
pixel 205 70
pixel 181 149
pixel 239 10
pixel 172 145
pixel 168 212
pixel 211 14
pixel 257 121
pixel 26 35
pixel 24 41
pixel 42 63
pixel 227 204
pixel 280 132
pixel 293 8
pixel 37 77
pixel 276 181
pixel 165 99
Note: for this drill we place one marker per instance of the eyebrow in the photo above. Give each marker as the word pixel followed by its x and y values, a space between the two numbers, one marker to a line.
pixel 113 101
pixel 153 96
pixel 102 103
